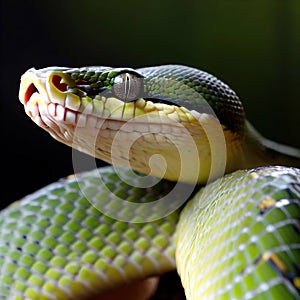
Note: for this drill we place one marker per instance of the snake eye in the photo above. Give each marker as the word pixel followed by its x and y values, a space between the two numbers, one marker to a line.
pixel 127 87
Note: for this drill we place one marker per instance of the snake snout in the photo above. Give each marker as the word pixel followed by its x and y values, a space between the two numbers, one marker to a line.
pixel 31 87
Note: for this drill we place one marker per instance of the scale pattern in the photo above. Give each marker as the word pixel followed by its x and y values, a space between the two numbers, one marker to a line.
pixel 238 239
pixel 54 244
pixel 244 241
pixel 195 89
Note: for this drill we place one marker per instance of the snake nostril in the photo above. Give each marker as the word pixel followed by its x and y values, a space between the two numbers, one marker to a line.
pixel 29 92
pixel 56 80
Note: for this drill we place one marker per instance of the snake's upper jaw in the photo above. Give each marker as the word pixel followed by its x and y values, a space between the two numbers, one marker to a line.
pixel 39 88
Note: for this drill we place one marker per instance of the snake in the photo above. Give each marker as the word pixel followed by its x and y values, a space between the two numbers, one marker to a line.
pixel 190 185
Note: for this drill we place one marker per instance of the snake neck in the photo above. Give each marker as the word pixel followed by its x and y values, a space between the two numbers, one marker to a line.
pixel 256 151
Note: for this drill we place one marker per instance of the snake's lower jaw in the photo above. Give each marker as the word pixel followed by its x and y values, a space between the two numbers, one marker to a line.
pixel 189 157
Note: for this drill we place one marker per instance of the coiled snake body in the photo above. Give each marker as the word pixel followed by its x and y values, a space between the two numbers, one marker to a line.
pixel 238 236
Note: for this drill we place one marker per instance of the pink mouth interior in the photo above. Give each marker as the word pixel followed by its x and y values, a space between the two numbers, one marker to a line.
pixel 56 82
pixel 29 92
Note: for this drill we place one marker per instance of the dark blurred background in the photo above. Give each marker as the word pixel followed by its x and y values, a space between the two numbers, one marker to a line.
pixel 252 45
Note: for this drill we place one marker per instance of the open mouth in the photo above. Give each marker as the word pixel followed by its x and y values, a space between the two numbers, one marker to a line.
pixel 32 89
pixel 38 102
pixel 29 92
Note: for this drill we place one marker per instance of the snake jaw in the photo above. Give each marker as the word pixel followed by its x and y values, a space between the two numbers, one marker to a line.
pixel 52 93
pixel 43 93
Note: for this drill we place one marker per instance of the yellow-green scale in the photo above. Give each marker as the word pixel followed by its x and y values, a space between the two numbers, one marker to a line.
pixel 55 243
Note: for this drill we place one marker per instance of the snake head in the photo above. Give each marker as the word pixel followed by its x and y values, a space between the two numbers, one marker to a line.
pixel 127 116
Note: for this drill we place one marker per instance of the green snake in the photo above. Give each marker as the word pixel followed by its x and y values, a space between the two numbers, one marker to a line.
pixel 192 186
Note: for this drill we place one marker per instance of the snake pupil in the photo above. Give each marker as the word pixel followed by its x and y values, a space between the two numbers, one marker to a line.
pixel 127 87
